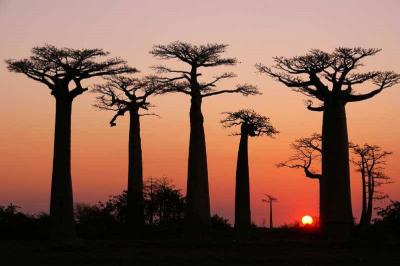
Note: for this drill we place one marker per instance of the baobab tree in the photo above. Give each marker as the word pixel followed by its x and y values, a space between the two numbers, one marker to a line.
pixel 270 200
pixel 251 124
pixel 123 94
pixel 62 70
pixel 186 81
pixel 370 161
pixel 330 78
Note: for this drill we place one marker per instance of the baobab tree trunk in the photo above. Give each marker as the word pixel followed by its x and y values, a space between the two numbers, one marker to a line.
pixel 242 193
pixel 336 218
pixel 61 204
pixel 135 215
pixel 197 213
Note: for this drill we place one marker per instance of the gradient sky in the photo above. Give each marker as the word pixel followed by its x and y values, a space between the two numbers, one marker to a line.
pixel 255 30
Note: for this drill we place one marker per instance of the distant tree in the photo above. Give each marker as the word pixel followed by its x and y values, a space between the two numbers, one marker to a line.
pixel 220 223
pixel 123 94
pixel 370 161
pixel 197 215
pixel 62 71
pixel 270 200
pixel 251 124
pixel 305 152
pixel 164 202
pixel 330 78
pixel 15 224
pixel 389 216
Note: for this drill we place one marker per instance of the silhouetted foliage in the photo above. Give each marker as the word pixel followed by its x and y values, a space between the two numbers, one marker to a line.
pixel 220 223
pixel 251 123
pixel 389 216
pixel 163 211
pixel 62 70
pixel 330 78
pixel 17 225
pixel 370 162
pixel 187 81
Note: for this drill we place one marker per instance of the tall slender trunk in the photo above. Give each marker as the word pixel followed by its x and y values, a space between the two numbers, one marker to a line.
pixel 368 215
pixel 271 225
pixel 336 216
pixel 242 193
pixel 135 216
pixel 197 212
pixel 364 196
pixel 61 202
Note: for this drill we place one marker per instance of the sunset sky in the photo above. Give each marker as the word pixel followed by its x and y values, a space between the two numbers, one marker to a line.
pixel 256 31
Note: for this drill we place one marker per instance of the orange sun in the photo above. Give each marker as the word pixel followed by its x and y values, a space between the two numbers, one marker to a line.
pixel 307 220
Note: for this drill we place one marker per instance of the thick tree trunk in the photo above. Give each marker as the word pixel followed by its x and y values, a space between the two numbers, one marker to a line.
pixel 197 213
pixel 135 215
pixel 336 211
pixel 242 193
pixel 61 202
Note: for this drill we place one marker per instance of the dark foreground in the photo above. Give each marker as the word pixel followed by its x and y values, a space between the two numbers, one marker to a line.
pixel 212 252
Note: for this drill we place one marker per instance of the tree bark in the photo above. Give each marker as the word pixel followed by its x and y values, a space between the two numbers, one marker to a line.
pixel 135 215
pixel 197 212
pixel 61 203
pixel 242 193
pixel 336 210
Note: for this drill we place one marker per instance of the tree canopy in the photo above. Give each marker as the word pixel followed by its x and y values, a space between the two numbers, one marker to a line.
pixel 122 93
pixel 324 75
pixel 197 56
pixel 253 123
pixel 56 67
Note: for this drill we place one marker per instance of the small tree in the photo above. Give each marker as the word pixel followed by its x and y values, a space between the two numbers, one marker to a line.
pixel 305 152
pixel 251 124
pixel 270 200
pixel 370 161
pixel 59 69
pixel 331 78
pixel 197 214
pixel 123 94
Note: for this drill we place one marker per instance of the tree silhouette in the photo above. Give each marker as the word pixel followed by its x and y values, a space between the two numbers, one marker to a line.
pixel 164 202
pixel 251 124
pixel 306 152
pixel 123 94
pixel 270 200
pixel 57 68
pixel 370 162
pixel 197 214
pixel 331 78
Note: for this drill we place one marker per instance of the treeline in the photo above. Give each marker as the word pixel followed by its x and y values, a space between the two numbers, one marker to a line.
pixel 164 207
pixel 329 78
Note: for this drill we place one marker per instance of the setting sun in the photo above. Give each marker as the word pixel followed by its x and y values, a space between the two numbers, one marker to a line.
pixel 307 220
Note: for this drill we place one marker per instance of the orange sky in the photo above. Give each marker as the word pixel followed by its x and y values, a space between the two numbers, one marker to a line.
pixel 255 30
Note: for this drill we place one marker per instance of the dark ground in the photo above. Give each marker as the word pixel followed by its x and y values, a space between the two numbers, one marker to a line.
pixel 269 251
